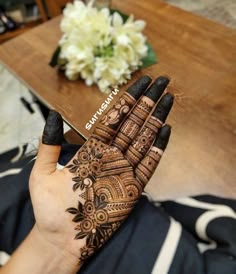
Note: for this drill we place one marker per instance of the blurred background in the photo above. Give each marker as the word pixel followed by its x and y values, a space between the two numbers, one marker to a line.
pixel 18 109
pixel 27 13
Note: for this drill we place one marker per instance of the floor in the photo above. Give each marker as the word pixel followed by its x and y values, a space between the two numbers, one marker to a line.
pixel 222 11
pixel 18 126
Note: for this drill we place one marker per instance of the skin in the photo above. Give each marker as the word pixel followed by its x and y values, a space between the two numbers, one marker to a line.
pixel 78 208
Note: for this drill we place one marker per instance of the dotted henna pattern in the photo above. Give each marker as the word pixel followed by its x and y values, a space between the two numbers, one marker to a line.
pixel 105 178
pixel 107 190
pixel 147 166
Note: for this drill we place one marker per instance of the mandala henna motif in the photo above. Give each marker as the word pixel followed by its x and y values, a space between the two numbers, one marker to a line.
pixel 106 181
pixel 107 192
pixel 132 125
pixel 111 120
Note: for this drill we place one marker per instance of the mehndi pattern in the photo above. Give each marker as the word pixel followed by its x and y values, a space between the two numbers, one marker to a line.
pixel 107 191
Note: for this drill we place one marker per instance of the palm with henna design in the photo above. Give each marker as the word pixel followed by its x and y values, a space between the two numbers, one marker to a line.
pixel 103 181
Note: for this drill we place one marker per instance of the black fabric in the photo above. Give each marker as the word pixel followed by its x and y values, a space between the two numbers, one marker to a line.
pixel 135 248
pixel 5 159
pixel 187 258
pixel 16 214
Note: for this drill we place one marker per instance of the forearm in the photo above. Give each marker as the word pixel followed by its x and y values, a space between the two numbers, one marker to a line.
pixel 36 256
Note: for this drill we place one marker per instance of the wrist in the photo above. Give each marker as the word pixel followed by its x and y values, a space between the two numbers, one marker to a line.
pixel 54 260
pixel 37 255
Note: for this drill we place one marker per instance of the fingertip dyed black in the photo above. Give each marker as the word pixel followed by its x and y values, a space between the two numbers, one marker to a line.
pixel 163 137
pixel 138 88
pixel 157 88
pixel 163 107
pixel 162 82
pixel 53 130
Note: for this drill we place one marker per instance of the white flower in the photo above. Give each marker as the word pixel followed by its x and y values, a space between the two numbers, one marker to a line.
pixel 99 46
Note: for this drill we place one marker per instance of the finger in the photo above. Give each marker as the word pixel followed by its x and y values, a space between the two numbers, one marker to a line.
pixel 139 114
pixel 145 138
pixel 50 147
pixel 147 166
pixel 111 121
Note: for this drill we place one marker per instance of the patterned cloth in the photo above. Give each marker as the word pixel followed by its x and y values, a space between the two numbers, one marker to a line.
pixel 188 235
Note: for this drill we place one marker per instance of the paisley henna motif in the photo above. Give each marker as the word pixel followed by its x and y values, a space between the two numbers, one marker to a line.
pixel 107 127
pixel 113 115
pixel 107 180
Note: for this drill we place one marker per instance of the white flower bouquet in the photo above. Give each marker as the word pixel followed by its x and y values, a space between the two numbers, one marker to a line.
pixel 102 47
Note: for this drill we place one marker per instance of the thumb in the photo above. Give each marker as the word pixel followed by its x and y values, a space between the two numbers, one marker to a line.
pixel 50 146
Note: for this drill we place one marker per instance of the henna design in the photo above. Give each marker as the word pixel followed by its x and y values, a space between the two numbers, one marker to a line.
pixel 107 192
pixel 104 179
pixel 113 115
pixel 143 141
pixel 147 166
pixel 85 167
pixel 91 219
pixel 107 127
pixel 132 125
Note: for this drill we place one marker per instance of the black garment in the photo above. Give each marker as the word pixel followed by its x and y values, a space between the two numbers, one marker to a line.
pixel 185 236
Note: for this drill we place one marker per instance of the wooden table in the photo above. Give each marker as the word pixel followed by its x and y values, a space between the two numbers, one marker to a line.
pixel 200 57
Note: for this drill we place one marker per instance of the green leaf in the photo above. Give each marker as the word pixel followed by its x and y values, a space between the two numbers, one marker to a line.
pixel 150 59
pixel 55 56
pixel 124 16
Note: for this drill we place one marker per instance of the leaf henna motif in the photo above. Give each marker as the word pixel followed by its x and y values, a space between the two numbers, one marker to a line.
pixel 104 181
pixel 104 177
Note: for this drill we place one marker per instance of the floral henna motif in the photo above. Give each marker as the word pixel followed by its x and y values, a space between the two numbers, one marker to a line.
pixel 86 167
pixel 92 223
pixel 107 192
pixel 111 121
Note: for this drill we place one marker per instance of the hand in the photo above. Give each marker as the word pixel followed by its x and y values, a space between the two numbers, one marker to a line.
pixel 78 208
